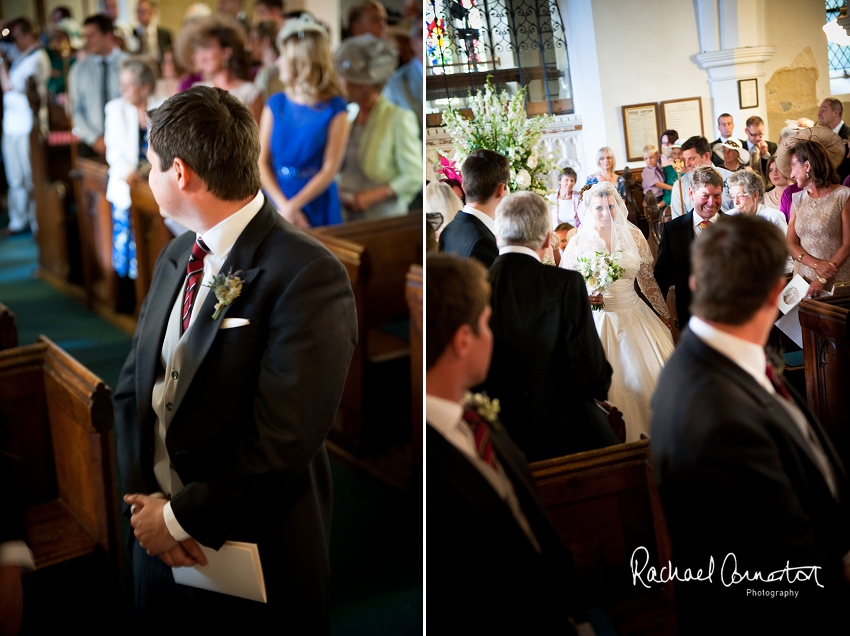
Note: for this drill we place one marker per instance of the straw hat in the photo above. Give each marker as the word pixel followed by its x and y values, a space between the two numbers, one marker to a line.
pixel 836 148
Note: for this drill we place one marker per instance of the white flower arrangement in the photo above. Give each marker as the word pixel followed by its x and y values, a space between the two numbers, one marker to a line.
pixel 599 272
pixel 484 406
pixel 500 123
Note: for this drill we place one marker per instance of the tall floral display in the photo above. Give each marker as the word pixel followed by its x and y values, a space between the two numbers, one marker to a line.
pixel 500 123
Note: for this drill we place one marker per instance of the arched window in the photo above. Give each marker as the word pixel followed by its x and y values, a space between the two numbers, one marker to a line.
pixel 516 42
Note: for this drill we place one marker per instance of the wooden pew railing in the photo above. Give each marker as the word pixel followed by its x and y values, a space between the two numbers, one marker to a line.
pixel 58 420
pixel 151 235
pixel 605 505
pixel 413 294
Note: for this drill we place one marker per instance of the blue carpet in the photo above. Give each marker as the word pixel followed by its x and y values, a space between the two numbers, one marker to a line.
pixel 376 536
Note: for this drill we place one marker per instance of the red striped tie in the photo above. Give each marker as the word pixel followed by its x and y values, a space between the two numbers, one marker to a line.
pixel 780 387
pixel 482 437
pixel 194 273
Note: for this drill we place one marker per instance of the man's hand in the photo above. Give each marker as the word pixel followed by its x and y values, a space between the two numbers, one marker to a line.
pixel 149 524
pixel 185 554
pixel 99 146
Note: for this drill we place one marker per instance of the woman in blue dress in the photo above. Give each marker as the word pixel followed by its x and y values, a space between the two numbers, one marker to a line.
pixel 304 131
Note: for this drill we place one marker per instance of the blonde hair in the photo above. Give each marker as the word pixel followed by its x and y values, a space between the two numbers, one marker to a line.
pixel 308 63
pixel 649 149
pixel 602 152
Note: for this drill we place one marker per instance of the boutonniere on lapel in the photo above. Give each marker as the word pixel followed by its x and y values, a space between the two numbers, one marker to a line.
pixel 226 288
pixel 486 408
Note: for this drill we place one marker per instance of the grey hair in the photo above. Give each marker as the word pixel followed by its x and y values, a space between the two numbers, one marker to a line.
pixel 522 219
pixel 751 181
pixel 143 69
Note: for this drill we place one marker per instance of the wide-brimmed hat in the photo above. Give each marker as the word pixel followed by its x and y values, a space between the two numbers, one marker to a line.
pixel 365 59
pixel 836 148
pixel 732 144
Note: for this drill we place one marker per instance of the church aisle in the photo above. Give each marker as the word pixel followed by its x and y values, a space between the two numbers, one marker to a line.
pixel 376 537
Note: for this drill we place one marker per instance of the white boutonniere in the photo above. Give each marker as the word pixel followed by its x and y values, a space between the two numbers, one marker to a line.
pixel 485 407
pixel 226 288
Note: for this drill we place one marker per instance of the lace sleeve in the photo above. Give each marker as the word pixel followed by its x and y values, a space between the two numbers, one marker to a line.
pixel 645 277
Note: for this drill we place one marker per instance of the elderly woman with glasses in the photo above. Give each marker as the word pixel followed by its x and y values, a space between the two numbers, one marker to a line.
pixel 382 169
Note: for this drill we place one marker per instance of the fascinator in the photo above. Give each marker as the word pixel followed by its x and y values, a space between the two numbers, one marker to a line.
pixel 365 59
pixel 305 23
pixel 835 146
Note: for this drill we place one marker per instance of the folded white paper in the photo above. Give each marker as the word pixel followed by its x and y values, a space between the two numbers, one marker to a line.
pixel 234 570
pixel 793 293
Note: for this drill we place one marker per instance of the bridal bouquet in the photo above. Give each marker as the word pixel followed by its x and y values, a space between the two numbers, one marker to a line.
pixel 500 123
pixel 599 272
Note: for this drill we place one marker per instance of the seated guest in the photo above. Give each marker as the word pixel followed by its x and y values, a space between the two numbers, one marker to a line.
pixel 546 350
pixel 382 169
pixel 472 233
pixel 89 90
pixel 566 200
pixel 126 137
pixel 695 153
pixel 32 64
pixel 666 141
pixel 653 177
pixel 481 495
pixel 773 198
pixel 731 154
pixel 443 205
pixel 749 481
pixel 404 88
pixel 605 160
pixel 756 141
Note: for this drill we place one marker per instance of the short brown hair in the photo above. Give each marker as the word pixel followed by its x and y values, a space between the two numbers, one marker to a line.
pixel 699 144
pixel 215 135
pixel 456 292
pixel 483 172
pixel 822 171
pixel 356 11
pixel 755 120
pixel 835 105
pixel 706 175
pixel 736 263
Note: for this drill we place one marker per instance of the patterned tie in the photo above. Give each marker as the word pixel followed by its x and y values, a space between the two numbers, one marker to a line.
pixel 481 432
pixel 704 225
pixel 194 272
pixel 104 81
pixel 781 389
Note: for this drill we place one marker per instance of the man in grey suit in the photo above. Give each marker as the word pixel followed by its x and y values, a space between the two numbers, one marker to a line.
pixel 224 402
pixel 749 480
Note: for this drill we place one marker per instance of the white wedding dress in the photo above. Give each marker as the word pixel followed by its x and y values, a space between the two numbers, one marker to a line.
pixel 636 342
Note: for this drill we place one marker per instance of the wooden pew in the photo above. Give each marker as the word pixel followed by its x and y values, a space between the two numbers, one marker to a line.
pixel 58 419
pixel 94 218
pixel 604 504
pixel 8 329
pixel 825 324
pixel 151 235
pixel 385 249
pixel 413 294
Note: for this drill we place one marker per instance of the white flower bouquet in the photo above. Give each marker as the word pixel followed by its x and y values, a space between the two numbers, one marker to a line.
pixel 500 123
pixel 599 272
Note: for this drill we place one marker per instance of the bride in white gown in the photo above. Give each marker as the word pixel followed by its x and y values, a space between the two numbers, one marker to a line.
pixel 636 342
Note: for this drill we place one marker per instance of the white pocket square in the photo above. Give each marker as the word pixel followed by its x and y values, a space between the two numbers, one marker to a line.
pixel 230 323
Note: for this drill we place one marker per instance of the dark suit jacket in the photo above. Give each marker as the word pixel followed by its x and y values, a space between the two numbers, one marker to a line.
pixel 735 475
pixel 163 37
pixel 468 237
pixel 548 363
pixel 673 266
pixel 484 574
pixel 252 408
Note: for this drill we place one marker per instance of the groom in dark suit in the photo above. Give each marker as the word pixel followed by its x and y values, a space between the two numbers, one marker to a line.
pixel 743 467
pixel 548 363
pixel 498 564
pixel 225 400
pixel 673 266
pixel 472 233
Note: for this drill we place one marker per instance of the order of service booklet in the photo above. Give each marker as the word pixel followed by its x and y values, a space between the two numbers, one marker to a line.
pixel 234 570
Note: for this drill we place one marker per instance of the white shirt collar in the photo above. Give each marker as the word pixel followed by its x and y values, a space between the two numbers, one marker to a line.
pixel 519 249
pixel 221 238
pixel 698 219
pixel 747 355
pixel 442 414
pixel 838 127
pixel 478 214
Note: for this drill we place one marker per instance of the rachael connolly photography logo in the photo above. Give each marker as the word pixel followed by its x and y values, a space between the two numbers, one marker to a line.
pixel 729 574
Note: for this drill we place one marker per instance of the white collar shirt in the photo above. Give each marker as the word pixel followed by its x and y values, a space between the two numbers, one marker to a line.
pixel 478 214
pixel 519 249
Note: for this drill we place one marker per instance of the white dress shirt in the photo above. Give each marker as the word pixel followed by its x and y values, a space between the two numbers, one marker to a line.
pixel 478 214
pixel 220 239
pixel 698 219
pixel 446 418
pixel 519 249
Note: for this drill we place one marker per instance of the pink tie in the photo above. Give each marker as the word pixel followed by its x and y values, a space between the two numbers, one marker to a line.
pixel 194 272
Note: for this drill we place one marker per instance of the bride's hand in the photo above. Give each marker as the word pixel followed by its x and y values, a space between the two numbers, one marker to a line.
pixel 595 299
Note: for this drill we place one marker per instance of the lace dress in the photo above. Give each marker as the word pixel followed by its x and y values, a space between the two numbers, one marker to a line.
pixel 636 342
pixel 819 228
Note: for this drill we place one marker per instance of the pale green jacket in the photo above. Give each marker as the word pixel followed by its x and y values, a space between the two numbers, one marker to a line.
pixel 390 150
